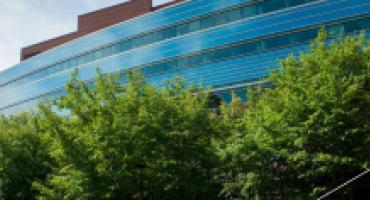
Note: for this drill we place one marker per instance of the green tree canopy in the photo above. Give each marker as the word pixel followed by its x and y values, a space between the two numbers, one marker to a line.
pixel 311 130
pixel 307 132
pixel 23 157
pixel 130 141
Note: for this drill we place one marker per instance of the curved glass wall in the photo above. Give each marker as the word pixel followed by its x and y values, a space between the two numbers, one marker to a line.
pixel 200 23
pixel 241 49
pixel 227 55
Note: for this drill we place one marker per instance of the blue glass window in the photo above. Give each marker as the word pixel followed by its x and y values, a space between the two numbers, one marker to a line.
pixel 147 39
pixel 59 67
pixel 72 63
pixel 65 65
pixel 271 5
pixel 250 11
pixel 172 65
pixel 90 57
pixel 194 26
pixel 221 18
pixel 195 60
pixel 365 24
pixel 223 53
pixel 136 42
pixel 305 35
pixel 158 68
pixel 245 48
pixel 182 63
pixel 182 29
pixel 235 15
pixel 295 2
pixel 124 46
pixel 147 71
pixel 107 51
pixel 80 60
pixel 209 57
pixel 116 49
pixel 336 30
pixel 168 33
pixel 277 42
pixel 207 22
pixel 98 54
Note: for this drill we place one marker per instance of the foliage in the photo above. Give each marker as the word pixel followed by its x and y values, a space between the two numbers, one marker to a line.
pixel 130 142
pixel 304 134
pixel 24 157
pixel 310 131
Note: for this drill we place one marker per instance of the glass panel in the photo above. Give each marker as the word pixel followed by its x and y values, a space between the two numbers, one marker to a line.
pixel 55 67
pixel 147 39
pixel 277 42
pixel 336 30
pixel 221 18
pixel 305 36
pixel 143 40
pixel 137 42
pixel 158 68
pixel 194 26
pixel 207 22
pixel 182 63
pixel 80 60
pixel 296 2
pixel 116 48
pixel 58 67
pixel 245 48
pixel 65 65
pixel 271 5
pixel 72 63
pixel 223 53
pixel 89 57
pixel 157 36
pixel 195 60
pixel 182 29
pixel 124 46
pixel 147 71
pixel 235 15
pixel 249 11
pixel 99 54
pixel 209 56
pixel 172 65
pixel 107 51
pixel 364 24
pixel 165 67
pixel 168 33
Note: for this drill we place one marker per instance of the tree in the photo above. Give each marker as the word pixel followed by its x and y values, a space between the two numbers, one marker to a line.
pixel 310 131
pixel 130 141
pixel 23 157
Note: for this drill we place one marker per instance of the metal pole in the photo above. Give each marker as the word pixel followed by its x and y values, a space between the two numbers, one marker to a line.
pixel 344 184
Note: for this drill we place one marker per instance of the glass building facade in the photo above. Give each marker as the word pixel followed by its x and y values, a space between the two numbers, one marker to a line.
pixel 226 44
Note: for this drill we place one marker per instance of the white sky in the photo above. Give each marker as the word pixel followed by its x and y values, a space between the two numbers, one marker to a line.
pixel 26 22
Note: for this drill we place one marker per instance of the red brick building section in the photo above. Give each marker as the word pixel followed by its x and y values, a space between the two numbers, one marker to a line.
pixel 95 21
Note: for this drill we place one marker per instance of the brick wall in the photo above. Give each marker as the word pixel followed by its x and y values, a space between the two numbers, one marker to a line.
pixel 94 21
pixel 28 52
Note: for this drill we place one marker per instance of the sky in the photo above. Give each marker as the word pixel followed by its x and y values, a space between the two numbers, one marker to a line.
pixel 26 22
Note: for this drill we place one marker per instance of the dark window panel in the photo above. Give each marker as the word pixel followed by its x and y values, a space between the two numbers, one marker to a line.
pixel 235 15
pixel 207 22
pixel 194 26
